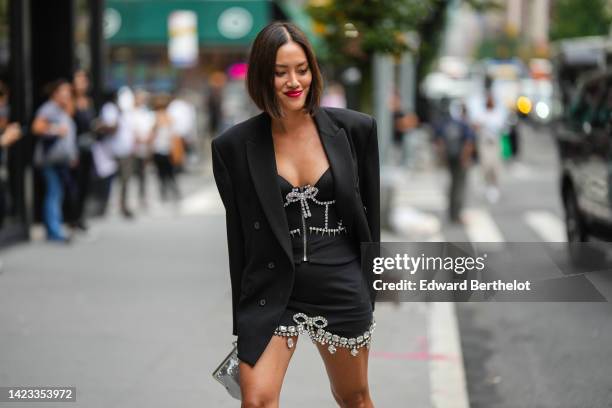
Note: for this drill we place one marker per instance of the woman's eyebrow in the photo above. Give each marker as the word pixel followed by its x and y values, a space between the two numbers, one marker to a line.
pixel 285 66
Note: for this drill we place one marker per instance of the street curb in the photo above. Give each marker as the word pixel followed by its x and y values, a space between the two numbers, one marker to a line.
pixel 446 372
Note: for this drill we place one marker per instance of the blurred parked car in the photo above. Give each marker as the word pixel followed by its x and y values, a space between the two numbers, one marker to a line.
pixel 574 57
pixel 584 138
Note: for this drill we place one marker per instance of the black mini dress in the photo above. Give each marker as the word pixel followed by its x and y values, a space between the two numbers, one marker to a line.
pixel 330 301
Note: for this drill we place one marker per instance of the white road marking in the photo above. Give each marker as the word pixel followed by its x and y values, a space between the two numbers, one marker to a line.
pixel 206 201
pixel 411 222
pixel 548 226
pixel 446 372
pixel 480 226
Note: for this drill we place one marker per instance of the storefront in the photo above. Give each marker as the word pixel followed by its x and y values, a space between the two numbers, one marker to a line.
pixel 157 44
pixel 141 36
pixel 37 45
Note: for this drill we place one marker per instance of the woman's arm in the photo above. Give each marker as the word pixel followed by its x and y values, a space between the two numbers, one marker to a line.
pixel 235 238
pixel 42 127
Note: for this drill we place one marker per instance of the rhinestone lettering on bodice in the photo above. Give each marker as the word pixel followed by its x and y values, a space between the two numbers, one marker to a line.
pixel 304 195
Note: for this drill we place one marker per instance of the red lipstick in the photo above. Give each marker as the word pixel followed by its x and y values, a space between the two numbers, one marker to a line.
pixel 294 94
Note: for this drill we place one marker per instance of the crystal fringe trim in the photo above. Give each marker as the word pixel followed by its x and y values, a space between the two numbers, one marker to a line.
pixel 313 326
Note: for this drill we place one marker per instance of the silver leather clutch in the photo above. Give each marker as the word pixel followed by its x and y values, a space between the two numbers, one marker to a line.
pixel 228 373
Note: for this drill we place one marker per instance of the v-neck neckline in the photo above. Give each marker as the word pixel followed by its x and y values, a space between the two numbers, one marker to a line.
pixel 306 185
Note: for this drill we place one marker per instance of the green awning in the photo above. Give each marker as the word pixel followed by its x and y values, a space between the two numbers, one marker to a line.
pixel 145 22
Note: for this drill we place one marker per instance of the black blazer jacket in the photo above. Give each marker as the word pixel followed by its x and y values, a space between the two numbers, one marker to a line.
pixel 260 254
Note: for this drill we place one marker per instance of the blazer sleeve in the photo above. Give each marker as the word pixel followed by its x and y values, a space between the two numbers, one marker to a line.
pixel 370 191
pixel 370 182
pixel 235 237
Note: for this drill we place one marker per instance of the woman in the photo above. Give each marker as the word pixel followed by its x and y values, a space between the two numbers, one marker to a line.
pixel 300 185
pixel 56 152
pixel 163 133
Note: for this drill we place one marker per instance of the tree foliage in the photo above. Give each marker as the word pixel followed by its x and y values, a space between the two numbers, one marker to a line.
pixel 353 30
pixel 577 18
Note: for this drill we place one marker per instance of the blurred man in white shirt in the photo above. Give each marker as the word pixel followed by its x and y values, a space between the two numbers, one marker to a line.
pixel 121 143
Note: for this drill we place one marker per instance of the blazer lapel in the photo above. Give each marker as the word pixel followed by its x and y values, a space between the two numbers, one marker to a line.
pixel 262 166
pixel 338 150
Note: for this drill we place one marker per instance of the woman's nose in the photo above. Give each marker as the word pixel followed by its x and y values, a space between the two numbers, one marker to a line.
pixel 292 80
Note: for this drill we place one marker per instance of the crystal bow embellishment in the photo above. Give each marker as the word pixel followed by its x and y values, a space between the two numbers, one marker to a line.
pixel 302 196
pixel 302 320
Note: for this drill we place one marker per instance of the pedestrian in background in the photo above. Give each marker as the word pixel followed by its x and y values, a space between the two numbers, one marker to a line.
pixel 214 102
pixel 334 96
pixel 163 135
pixel 104 162
pixel 143 120
pixel 489 123
pixel 55 152
pixel 184 119
pixel 402 123
pixel 455 142
pixel 120 139
pixel 84 115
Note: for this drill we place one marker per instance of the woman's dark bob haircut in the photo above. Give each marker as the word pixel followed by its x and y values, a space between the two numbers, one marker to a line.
pixel 262 60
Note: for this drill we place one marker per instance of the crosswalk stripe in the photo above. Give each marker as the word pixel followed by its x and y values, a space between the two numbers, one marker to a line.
pixel 548 226
pixel 412 222
pixel 480 226
pixel 447 375
pixel 206 201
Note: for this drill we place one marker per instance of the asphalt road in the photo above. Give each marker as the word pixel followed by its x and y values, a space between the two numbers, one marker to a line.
pixel 531 355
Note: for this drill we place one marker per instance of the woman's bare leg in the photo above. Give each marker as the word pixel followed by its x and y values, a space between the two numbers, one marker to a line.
pixel 261 384
pixel 348 376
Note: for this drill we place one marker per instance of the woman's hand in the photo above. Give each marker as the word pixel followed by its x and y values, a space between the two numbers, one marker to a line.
pixel 11 134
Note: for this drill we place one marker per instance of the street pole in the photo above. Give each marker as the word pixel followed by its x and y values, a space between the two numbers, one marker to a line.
pixel 383 82
pixel 383 74
pixel 407 85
